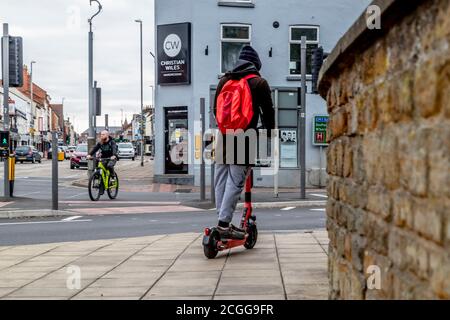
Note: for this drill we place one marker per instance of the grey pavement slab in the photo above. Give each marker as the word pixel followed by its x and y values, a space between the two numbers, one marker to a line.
pixel 281 266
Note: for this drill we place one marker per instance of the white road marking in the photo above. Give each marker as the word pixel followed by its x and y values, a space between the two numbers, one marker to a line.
pixel 42 222
pixel 71 218
pixel 76 195
pixel 89 202
pixel 287 208
pixel 319 195
pixel 26 194
pixel 318 209
pixel 72 176
pixel 278 215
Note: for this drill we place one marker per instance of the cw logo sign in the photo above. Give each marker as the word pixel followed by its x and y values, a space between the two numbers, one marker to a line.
pixel 172 45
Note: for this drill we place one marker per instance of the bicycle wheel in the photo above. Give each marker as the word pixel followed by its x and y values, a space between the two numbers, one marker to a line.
pixel 113 189
pixel 95 186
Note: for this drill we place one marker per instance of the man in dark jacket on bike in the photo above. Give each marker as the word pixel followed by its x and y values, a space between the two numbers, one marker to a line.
pixel 108 149
pixel 230 178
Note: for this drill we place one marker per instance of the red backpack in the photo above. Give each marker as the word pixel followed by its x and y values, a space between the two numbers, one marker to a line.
pixel 234 105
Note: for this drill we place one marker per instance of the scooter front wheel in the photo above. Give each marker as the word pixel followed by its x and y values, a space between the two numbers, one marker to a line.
pixel 210 249
pixel 252 237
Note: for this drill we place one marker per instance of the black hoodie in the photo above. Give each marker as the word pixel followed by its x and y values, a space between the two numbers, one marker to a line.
pixel 108 149
pixel 262 104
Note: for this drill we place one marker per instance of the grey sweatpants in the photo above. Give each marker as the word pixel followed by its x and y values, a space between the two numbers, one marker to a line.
pixel 229 182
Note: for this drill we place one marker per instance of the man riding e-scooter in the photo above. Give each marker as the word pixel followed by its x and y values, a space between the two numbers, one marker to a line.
pixel 230 174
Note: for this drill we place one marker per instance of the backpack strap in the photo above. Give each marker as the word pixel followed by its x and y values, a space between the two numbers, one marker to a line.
pixel 250 76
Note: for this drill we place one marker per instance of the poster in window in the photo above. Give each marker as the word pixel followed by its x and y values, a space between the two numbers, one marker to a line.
pixel 288 148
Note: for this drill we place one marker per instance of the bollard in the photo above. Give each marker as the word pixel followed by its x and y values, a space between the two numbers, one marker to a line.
pixel 12 174
pixel 202 148
pixel 54 170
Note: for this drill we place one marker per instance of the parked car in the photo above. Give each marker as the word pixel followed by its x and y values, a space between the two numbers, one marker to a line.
pixel 126 151
pixel 49 153
pixel 71 150
pixel 27 153
pixel 78 159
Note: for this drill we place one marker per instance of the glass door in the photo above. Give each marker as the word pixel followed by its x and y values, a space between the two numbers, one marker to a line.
pixel 176 140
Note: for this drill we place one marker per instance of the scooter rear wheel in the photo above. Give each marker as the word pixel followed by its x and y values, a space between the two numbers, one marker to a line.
pixel 252 237
pixel 210 249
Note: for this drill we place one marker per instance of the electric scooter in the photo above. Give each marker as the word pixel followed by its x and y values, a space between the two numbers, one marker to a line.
pixel 212 242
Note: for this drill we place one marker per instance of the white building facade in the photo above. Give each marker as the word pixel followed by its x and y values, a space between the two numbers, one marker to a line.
pixel 211 34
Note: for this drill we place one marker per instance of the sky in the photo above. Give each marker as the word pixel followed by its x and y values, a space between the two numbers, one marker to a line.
pixel 55 35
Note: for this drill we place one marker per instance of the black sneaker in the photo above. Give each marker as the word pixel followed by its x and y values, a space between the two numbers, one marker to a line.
pixel 230 233
pixel 237 228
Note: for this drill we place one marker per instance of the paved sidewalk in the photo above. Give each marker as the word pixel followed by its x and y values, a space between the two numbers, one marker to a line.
pixel 282 266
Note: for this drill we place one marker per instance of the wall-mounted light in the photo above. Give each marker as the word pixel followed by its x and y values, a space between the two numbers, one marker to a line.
pixel 271 52
pixel 207 51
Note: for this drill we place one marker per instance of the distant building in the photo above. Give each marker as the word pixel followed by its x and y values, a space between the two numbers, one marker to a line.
pixel 114 132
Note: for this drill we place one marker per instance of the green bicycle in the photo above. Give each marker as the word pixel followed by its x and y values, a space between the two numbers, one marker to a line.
pixel 102 180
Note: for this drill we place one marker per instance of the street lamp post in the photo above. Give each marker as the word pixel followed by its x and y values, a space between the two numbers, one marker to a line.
pixel 153 104
pixel 142 97
pixel 91 135
pixel 31 99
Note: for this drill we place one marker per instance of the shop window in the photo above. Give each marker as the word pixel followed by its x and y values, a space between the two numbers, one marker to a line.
pixel 312 43
pixel 287 122
pixel 233 38
pixel 288 148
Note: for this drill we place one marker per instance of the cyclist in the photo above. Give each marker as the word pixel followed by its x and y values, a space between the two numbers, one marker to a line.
pixel 108 149
pixel 230 178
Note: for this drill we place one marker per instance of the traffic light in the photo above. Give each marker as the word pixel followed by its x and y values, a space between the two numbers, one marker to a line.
pixel 4 139
pixel 15 62
pixel 317 61
pixel 98 101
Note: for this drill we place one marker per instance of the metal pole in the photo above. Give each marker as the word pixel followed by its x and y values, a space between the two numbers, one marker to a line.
pixel 92 135
pixel 5 60
pixel 31 99
pixel 276 152
pixel 302 158
pixel 153 102
pixel 202 161
pixel 213 189
pixel 94 98
pixel 106 122
pixel 142 101
pixel 211 126
pixel 54 170
pixel 320 166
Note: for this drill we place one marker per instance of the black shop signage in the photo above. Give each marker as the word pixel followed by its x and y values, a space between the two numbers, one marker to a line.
pixel 174 54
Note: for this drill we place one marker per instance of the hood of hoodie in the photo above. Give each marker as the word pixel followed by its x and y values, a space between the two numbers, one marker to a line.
pixel 242 69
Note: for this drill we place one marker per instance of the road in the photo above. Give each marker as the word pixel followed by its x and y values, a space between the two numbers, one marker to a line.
pixel 94 227
pixel 133 214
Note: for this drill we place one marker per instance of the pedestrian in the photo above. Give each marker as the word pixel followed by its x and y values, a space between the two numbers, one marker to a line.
pixel 230 177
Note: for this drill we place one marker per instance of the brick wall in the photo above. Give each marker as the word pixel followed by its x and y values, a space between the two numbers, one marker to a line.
pixel 388 95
